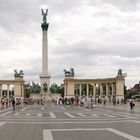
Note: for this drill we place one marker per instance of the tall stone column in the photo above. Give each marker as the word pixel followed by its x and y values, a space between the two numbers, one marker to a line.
pixel 44 77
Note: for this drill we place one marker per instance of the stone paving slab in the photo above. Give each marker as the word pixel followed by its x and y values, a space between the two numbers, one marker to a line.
pixel 64 122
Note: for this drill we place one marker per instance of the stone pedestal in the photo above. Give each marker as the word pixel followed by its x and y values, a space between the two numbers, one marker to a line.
pixel 19 87
pixel 120 87
pixel 45 79
pixel 69 86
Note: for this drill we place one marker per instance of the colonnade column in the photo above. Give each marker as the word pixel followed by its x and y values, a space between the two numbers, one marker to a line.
pixel 8 89
pixel 80 90
pixel 65 89
pixel 0 90
pixel 101 90
pixel 107 89
pixel 87 92
pixel 113 89
pixel 22 88
pixel 94 92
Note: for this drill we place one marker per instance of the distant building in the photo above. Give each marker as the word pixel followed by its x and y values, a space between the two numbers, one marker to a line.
pixel 136 87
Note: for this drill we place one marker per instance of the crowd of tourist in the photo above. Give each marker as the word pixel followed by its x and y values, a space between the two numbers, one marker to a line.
pixel 73 101
pixel 31 101
pixel 87 102
pixel 8 102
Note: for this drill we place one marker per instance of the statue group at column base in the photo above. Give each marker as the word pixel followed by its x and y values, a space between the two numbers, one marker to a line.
pixel 46 96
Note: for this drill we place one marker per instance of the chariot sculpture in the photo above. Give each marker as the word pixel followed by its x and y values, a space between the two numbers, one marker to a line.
pixel 18 74
pixel 69 73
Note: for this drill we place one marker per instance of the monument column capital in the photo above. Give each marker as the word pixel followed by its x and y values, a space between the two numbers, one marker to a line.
pixel 44 26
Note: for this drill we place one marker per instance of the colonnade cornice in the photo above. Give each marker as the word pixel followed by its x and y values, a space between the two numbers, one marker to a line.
pixel 6 82
pixel 98 81
pixel 10 82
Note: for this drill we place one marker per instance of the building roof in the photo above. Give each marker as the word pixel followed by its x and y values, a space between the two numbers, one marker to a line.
pixel 137 86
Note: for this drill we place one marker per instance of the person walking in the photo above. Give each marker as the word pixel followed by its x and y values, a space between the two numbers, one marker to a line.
pixel 2 102
pixel 6 102
pixel 13 103
pixel 133 103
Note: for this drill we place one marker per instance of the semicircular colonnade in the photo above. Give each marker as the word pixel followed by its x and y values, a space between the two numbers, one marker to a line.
pixel 96 88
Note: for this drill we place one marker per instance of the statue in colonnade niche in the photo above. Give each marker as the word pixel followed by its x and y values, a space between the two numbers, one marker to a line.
pixel 54 88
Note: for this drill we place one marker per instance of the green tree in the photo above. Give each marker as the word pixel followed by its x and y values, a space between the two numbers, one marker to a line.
pixel 35 88
pixel 27 90
pixel 54 88
pixel 125 91
pixel 61 90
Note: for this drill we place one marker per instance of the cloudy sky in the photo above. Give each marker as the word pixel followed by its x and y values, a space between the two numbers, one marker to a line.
pixel 96 37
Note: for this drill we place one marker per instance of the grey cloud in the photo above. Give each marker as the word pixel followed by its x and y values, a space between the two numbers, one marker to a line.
pixel 17 15
pixel 61 6
pixel 123 5
pixel 114 43
pixel 130 63
pixel 90 49
pixel 102 14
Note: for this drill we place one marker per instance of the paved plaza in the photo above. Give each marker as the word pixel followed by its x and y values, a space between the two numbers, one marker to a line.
pixel 51 122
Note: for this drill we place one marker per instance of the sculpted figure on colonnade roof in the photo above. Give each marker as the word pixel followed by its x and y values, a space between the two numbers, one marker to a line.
pixel 69 73
pixel 120 72
pixel 18 74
